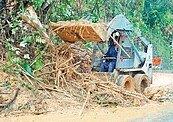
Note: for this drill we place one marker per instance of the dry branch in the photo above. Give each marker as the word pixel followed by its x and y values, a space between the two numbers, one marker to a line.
pixel 33 21
pixel 83 107
pixel 79 84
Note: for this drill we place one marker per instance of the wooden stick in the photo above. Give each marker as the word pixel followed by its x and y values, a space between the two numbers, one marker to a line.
pixel 83 107
pixel 71 57
pixel 135 95
pixel 28 79
pixel 57 90
pixel 11 101
pixel 115 41
pixel 49 64
pixel 35 23
pixel 2 105
pixel 39 83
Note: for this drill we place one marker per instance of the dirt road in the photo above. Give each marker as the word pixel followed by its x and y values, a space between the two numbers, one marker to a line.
pixel 162 79
pixel 161 116
pixel 96 115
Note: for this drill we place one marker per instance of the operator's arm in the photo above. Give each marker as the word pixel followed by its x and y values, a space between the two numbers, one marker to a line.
pixel 108 54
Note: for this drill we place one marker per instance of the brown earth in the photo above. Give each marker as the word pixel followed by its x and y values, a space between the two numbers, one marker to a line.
pixel 70 112
pixel 97 114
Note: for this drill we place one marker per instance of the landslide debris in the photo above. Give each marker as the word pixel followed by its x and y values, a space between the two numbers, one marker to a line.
pixel 66 81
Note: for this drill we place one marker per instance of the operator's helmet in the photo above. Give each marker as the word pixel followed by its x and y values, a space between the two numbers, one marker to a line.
pixel 117 37
pixel 117 34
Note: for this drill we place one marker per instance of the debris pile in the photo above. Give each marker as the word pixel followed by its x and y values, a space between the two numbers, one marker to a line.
pixel 61 73
pixel 66 80
pixel 154 93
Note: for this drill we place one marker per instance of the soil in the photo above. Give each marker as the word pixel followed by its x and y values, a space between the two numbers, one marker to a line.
pixel 71 112
pixel 97 114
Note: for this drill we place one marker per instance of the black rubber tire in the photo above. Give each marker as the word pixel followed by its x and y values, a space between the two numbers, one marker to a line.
pixel 141 82
pixel 126 81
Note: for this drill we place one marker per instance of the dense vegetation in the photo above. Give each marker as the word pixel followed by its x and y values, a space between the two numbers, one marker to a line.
pixel 154 18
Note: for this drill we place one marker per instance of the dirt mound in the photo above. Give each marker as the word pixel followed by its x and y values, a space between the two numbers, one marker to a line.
pixel 62 71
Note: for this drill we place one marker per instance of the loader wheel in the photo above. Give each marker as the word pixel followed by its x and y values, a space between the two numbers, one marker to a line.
pixel 141 82
pixel 126 81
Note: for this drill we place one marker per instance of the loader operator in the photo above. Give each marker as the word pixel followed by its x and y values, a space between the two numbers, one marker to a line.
pixel 109 64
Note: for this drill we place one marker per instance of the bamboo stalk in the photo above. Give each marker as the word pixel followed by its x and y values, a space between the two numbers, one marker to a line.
pixel 28 79
pixel 86 100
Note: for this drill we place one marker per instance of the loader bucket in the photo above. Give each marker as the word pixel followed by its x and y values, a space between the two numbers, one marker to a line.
pixel 81 30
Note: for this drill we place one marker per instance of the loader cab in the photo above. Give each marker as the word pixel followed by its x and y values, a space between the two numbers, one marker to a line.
pixel 123 26
pixel 134 55
pixel 122 60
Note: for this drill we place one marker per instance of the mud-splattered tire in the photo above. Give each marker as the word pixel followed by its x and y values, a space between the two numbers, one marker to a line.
pixel 126 81
pixel 141 82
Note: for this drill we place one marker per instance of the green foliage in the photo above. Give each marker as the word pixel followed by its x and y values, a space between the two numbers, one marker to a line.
pixel 28 86
pixel 38 3
pixel 153 18
pixel 63 10
pixel 24 46
pixel 157 18
pixel 6 84
pixel 26 67
pixel 89 45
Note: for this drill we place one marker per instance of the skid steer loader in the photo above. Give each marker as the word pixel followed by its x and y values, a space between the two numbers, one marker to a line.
pixel 133 69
